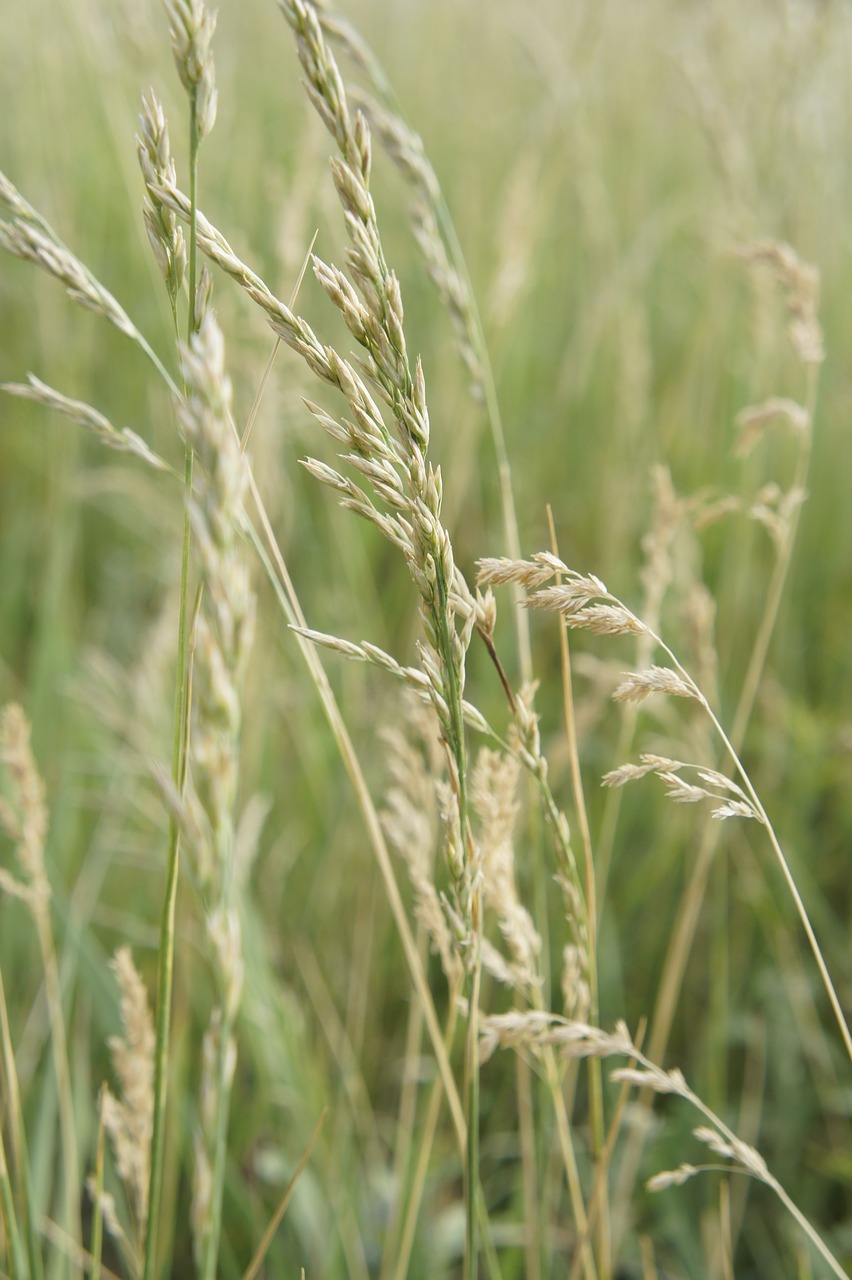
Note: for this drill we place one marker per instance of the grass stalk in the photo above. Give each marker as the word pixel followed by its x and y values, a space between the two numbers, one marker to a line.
pixel 427 1138
pixel 256 1263
pixel 98 1206
pixel 591 911
pixel 471 1066
pixel 285 594
pixel 404 1129
pixel 180 752
pixel 529 1171
pixel 59 1045
pixel 166 952
pixel 687 916
pixel 20 1157
pixel 12 1237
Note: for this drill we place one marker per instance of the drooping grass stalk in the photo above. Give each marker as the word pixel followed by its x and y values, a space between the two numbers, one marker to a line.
pixel 578 600
pixel 801 909
pixel 800 283
pixel 572 1039
pixel 29 236
pixel 689 910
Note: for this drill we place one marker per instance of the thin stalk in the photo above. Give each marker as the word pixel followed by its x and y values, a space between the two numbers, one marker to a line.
pixel 471 1069
pixel 9 1218
pixel 498 437
pixel 427 1139
pixel 687 916
pixel 165 970
pixel 596 1109
pixel 404 1127
pixel 764 1176
pixel 600 1188
pixel 689 910
pixel 566 1146
pixel 59 1044
pixel 98 1210
pixel 282 585
pixel 794 891
pixel 740 769
pixel 266 1239
pixel 780 573
pixel 529 1173
pixel 35 1268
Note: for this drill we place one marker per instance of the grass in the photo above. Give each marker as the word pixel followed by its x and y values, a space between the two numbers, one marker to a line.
pixel 435 948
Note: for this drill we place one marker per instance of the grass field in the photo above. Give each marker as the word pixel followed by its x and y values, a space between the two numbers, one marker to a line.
pixel 637 220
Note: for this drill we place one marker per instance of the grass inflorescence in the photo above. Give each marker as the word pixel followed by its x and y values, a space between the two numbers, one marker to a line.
pixel 318 964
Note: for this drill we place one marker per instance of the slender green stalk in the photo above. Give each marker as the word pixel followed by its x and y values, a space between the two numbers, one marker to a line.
pixel 404 1126
pixel 98 1208
pixel 688 913
pixel 23 1178
pixel 180 734
pixel 424 1152
pixel 59 1044
pixel 596 1107
pixel 471 1190
pixel 794 890
pixel 14 1247
pixel 165 971
pixel 257 1261
pixel 285 594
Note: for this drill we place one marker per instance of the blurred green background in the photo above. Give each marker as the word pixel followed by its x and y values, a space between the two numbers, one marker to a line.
pixel 602 162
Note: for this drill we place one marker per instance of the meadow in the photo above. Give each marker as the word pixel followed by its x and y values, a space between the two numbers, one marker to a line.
pixel 502 915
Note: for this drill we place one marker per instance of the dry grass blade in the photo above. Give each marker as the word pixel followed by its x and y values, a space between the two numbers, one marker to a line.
pixel 266 1240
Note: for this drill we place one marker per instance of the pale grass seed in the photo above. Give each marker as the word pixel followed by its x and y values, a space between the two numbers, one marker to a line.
pixel 25 821
pixel 128 1118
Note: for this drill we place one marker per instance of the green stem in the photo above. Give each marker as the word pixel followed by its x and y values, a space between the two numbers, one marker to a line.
pixel 471 1182
pixel 165 974
pixel 457 746
pixel 9 1219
